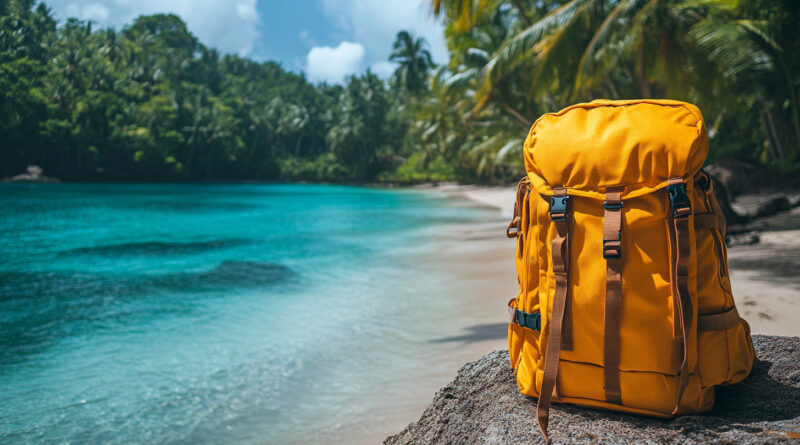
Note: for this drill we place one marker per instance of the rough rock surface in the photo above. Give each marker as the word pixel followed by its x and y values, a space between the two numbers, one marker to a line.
pixel 483 406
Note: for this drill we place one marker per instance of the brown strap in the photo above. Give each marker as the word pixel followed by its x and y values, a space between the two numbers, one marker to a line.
pixel 681 298
pixel 612 252
pixel 552 353
pixel 561 268
pixel 718 322
pixel 515 226
pixel 706 221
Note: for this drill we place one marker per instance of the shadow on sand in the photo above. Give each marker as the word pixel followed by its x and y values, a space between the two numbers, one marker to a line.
pixel 477 333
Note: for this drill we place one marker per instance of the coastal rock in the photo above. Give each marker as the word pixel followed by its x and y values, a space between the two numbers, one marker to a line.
pixel 739 177
pixel 773 206
pixel 483 406
pixel 33 174
pixel 723 181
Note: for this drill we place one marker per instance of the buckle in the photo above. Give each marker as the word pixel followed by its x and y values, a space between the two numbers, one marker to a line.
pixel 558 207
pixel 522 318
pixel 530 321
pixel 612 248
pixel 612 206
pixel 679 200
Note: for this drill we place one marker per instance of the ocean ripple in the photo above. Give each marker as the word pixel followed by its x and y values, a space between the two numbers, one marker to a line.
pixel 39 308
pixel 155 248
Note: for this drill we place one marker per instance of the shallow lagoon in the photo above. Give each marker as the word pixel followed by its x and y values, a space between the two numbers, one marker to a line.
pixel 214 313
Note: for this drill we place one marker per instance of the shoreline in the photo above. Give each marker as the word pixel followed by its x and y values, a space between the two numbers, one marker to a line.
pixel 475 265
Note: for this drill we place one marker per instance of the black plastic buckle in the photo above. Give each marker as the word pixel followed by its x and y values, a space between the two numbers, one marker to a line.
pixel 612 248
pixel 679 200
pixel 558 207
pixel 612 206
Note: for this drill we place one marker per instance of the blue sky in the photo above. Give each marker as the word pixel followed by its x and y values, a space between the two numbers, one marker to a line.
pixel 326 39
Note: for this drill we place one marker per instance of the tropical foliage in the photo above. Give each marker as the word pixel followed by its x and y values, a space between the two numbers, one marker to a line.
pixel 151 102
pixel 738 60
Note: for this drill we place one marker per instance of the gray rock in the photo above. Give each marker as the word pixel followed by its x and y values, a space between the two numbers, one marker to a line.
pixel 739 177
pixel 33 173
pixel 742 239
pixel 773 206
pixel 483 406
pixel 724 199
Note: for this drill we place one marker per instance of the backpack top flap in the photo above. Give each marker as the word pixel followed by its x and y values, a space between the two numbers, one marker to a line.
pixel 588 147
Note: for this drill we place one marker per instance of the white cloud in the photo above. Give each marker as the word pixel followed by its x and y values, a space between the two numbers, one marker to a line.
pixel 231 27
pixel 325 63
pixel 376 23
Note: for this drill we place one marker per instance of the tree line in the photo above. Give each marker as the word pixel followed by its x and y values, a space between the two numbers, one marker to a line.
pixel 151 102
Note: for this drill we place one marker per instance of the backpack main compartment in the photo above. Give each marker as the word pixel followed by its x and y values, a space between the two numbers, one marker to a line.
pixel 669 340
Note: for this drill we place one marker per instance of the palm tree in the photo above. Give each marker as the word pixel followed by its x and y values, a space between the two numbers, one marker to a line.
pixel 466 13
pixel 696 50
pixel 440 117
pixel 414 62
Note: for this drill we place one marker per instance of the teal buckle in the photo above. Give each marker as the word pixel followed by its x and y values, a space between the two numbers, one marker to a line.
pixel 530 321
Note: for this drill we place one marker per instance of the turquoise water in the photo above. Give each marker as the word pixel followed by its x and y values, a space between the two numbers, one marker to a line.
pixel 225 313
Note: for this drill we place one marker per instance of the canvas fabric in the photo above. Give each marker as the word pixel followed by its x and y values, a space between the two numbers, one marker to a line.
pixel 625 299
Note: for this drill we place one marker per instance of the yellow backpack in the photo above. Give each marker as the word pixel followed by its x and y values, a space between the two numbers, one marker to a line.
pixel 625 301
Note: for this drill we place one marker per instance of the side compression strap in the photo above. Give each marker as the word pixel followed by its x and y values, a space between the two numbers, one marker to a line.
pixel 718 322
pixel 612 252
pixel 515 226
pixel 681 210
pixel 560 216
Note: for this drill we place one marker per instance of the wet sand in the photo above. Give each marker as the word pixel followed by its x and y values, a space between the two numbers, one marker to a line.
pixel 470 278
